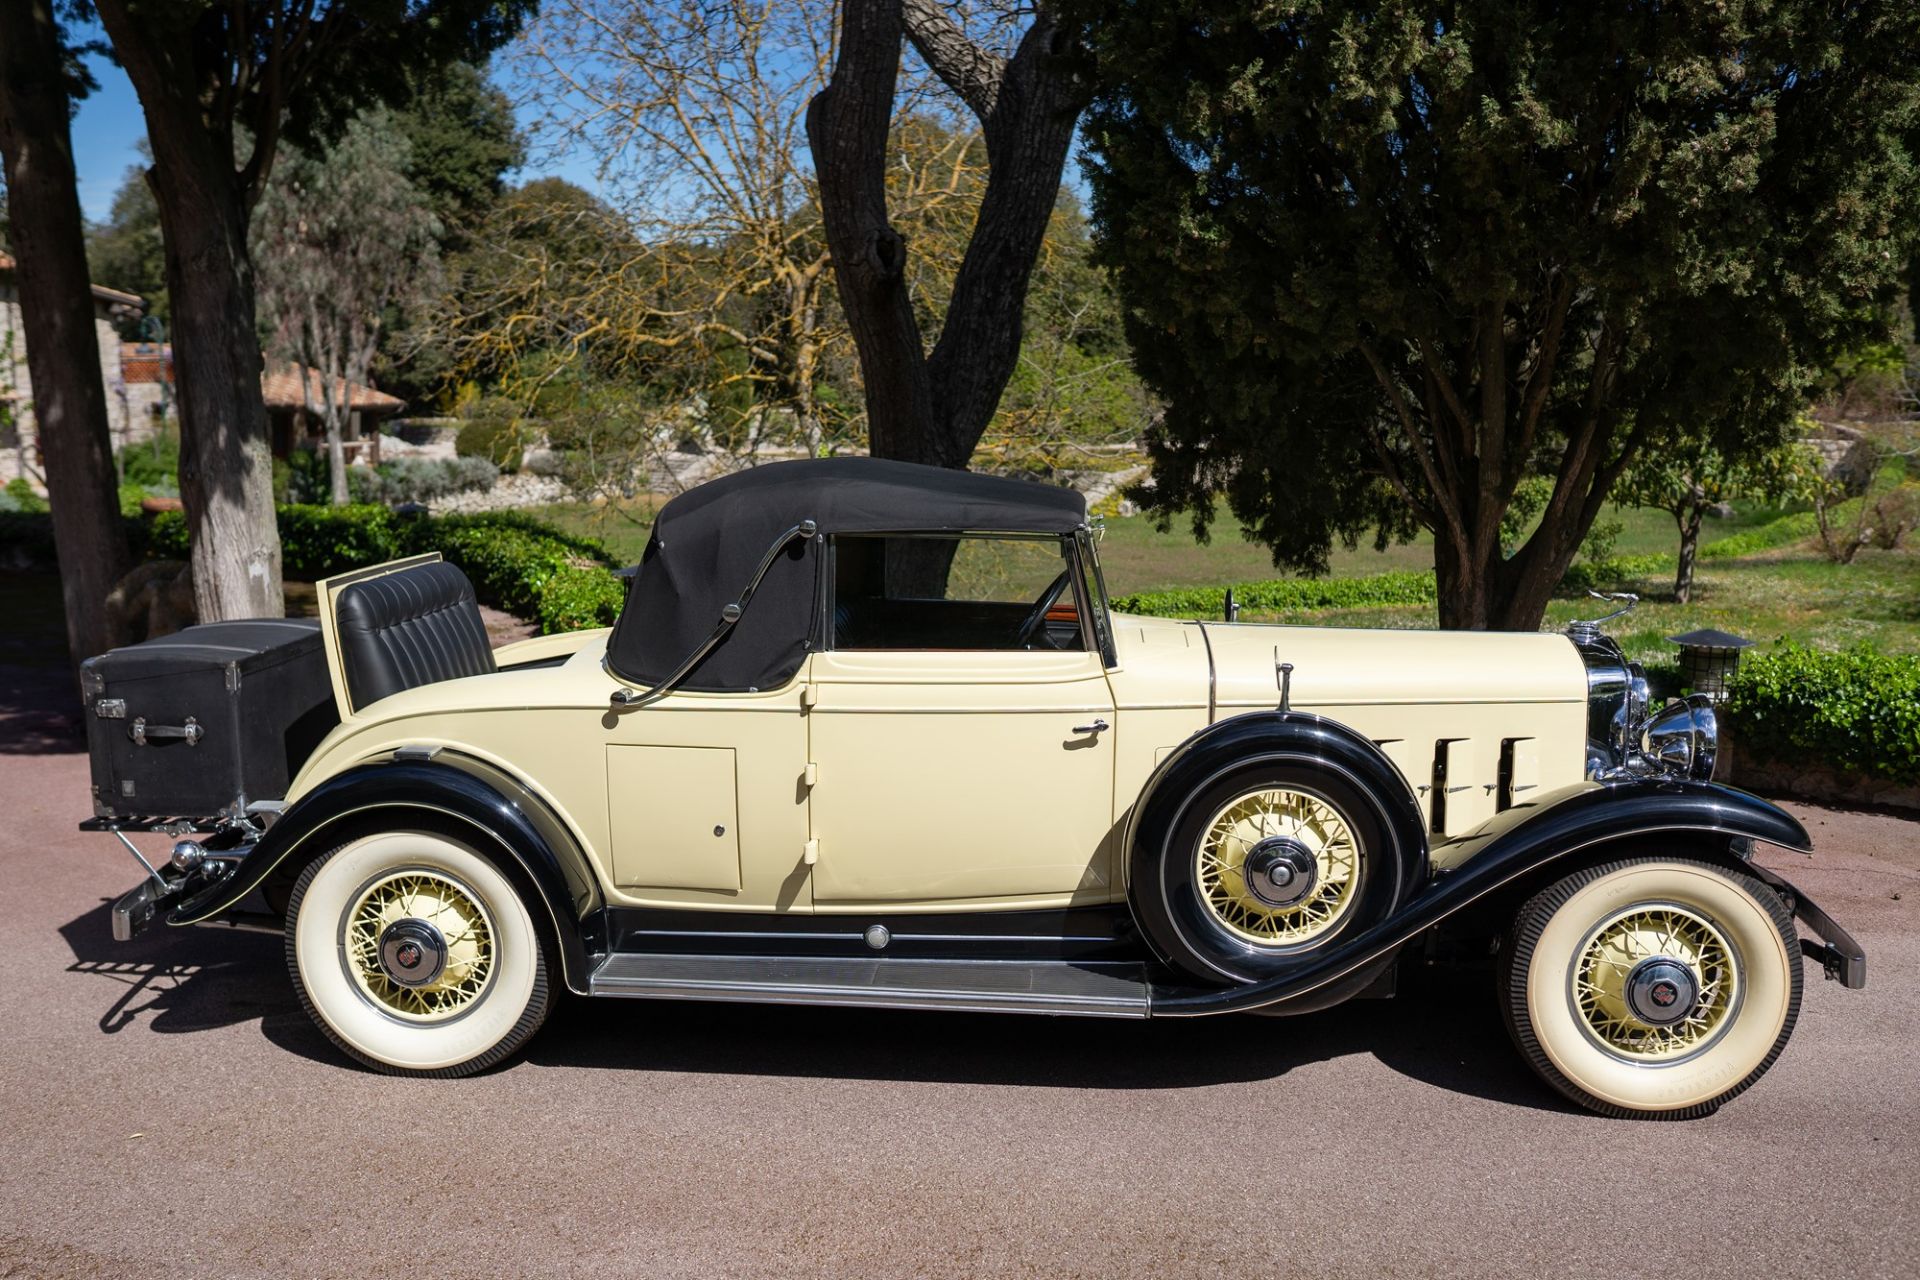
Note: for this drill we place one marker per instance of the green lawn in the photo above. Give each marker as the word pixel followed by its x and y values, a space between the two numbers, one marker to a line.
pixel 1787 592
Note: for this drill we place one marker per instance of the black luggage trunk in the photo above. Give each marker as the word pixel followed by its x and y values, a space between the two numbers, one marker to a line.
pixel 201 723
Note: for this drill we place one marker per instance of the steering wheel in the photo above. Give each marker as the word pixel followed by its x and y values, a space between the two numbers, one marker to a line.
pixel 1037 617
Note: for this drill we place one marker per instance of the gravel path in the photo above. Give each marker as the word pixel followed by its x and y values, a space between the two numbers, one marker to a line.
pixel 169 1111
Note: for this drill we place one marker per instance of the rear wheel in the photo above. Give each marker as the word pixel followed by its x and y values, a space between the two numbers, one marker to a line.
pixel 416 955
pixel 1654 988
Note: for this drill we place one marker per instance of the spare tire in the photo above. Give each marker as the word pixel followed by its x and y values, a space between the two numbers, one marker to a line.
pixel 1241 872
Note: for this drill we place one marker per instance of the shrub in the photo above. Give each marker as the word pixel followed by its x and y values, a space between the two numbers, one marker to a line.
pixel 317 541
pixel 575 598
pixel 493 430
pixel 19 496
pixel 155 462
pixel 510 559
pixel 1857 711
pixel 1611 573
pixel 1282 594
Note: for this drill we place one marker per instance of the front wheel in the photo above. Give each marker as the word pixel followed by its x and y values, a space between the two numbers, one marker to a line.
pixel 415 955
pixel 1652 988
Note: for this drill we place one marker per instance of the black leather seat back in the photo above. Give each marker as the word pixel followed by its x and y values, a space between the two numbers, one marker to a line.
pixel 410 628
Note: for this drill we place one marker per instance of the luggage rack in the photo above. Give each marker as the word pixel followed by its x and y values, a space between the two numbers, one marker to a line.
pixel 157 825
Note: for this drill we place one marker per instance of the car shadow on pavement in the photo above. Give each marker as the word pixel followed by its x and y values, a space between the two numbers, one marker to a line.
pixel 1444 1031
pixel 1447 1033
pixel 175 981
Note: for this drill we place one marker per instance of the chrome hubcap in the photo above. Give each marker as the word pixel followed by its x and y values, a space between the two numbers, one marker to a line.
pixel 419 945
pixel 412 952
pixel 1662 991
pixel 1278 867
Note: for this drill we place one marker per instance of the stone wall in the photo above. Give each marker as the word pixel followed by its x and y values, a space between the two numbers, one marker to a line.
pixel 129 409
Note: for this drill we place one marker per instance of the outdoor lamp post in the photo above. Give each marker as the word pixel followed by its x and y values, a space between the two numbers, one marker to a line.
pixel 1708 660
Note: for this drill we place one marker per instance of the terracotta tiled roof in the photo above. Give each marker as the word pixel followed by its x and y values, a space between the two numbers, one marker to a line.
pixel 282 387
pixel 100 291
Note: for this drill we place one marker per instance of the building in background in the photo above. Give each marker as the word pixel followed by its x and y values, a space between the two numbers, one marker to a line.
pixel 19 441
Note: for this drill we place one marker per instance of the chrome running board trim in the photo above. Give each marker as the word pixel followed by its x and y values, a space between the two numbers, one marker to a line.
pixel 1113 990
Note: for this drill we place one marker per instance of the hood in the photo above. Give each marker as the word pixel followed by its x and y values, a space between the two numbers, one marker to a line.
pixel 1355 667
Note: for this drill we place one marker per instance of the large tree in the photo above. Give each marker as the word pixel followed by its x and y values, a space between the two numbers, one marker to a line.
pixel 221 84
pixel 1387 260
pixel 343 236
pixel 932 405
pixel 56 304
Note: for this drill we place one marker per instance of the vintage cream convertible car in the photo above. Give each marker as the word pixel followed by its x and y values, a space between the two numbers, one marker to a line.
pixel 869 734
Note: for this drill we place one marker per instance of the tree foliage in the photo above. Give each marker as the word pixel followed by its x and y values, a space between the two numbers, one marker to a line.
pixel 127 251
pixel 1688 478
pixel 343 238
pixel 221 85
pixel 1386 261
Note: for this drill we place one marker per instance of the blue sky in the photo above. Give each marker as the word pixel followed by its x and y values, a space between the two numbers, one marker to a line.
pixel 109 126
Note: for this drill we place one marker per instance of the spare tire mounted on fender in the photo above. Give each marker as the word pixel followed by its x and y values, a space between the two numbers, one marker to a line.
pixel 1267 838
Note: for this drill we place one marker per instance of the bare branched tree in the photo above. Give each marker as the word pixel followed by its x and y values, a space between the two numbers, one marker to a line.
pixel 341 238
pixel 1008 65
pixel 696 111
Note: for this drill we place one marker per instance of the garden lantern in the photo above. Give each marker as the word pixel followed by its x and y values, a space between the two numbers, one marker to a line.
pixel 1708 659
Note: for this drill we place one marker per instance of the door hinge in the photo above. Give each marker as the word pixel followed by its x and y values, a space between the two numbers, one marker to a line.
pixel 810 775
pixel 812 852
pixel 809 694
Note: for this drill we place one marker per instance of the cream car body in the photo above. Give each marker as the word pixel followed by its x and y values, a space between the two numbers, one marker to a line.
pixel 791 773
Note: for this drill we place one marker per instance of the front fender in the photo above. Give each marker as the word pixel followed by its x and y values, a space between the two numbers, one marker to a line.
pixel 1517 843
pixel 504 817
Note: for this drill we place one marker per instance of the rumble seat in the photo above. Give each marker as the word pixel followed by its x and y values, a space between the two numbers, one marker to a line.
pixel 406 629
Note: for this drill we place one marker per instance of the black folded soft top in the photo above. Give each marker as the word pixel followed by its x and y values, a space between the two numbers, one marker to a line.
pixel 708 543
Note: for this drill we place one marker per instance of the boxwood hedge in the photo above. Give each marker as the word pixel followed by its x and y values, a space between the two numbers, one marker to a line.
pixel 1857 711
pixel 512 559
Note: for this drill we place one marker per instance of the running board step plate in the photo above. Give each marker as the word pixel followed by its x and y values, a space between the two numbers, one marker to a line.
pixel 1114 990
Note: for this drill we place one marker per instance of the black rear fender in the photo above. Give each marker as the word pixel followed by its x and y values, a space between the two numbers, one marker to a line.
pixel 458 794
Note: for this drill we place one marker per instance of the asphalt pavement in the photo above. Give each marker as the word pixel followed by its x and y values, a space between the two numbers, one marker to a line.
pixel 167 1110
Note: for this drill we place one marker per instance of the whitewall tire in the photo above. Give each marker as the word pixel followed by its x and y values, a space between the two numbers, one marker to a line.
pixel 416 955
pixel 1653 987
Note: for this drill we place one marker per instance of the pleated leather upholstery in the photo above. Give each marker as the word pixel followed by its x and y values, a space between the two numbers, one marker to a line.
pixel 410 628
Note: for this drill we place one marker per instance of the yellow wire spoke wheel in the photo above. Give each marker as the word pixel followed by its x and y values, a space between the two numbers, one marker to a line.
pixel 416 955
pixel 1656 983
pixel 1278 867
pixel 1654 986
pixel 419 945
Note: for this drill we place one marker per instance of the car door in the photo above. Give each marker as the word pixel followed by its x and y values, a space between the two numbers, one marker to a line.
pixel 953 766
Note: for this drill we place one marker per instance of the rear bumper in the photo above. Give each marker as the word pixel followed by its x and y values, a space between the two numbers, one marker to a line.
pixel 1843 959
pixel 135 909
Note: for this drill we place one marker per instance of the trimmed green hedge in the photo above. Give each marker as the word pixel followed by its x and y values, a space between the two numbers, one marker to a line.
pixel 1282 594
pixel 1857 711
pixel 512 559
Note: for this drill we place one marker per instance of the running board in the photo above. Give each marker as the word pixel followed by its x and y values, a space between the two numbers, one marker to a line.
pixel 1088 988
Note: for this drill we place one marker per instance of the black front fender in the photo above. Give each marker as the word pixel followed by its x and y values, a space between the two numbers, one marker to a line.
pixel 506 819
pixel 1517 843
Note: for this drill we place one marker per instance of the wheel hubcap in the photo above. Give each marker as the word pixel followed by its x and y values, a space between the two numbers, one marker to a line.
pixel 412 952
pixel 1656 983
pixel 1278 867
pixel 419 945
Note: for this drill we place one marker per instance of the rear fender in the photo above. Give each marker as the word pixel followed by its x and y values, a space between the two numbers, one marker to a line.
pixel 505 821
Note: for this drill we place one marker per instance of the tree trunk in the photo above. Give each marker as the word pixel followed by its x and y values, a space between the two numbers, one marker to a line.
pixel 1689 550
pixel 56 304
pixel 921 407
pixel 226 463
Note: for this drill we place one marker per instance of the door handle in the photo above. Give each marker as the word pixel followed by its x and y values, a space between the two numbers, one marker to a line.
pixel 1098 726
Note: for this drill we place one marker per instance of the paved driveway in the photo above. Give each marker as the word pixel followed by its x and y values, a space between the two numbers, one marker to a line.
pixel 165 1109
